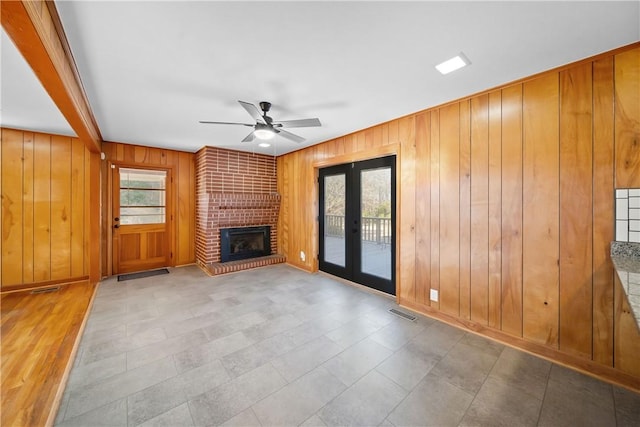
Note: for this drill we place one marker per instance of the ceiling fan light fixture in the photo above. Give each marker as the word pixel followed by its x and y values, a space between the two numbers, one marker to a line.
pixel 455 63
pixel 264 134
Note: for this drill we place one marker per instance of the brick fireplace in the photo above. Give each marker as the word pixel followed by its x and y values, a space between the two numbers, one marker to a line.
pixel 234 189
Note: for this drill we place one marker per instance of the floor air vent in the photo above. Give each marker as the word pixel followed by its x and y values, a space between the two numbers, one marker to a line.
pixel 45 290
pixel 403 315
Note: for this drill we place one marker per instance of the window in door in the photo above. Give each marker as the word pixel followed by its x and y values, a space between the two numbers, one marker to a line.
pixel 142 196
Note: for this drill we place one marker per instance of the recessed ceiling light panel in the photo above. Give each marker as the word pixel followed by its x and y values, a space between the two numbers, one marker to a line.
pixel 264 145
pixel 453 64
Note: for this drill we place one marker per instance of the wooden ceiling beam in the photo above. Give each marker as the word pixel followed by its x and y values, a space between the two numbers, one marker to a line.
pixel 35 28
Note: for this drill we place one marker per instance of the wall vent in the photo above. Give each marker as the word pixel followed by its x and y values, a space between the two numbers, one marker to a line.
pixel 45 290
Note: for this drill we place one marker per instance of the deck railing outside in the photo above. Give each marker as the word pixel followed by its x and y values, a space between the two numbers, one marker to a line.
pixel 377 230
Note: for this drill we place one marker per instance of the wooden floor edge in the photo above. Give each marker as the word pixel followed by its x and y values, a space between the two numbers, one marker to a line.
pixel 41 285
pixel 55 406
pixel 584 366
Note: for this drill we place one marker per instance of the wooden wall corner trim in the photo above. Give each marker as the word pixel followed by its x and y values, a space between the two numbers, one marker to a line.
pixel 29 24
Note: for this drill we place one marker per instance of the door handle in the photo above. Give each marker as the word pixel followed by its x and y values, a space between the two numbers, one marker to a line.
pixel 116 226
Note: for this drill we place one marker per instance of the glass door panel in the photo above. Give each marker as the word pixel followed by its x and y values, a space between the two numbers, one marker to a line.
pixel 334 216
pixel 375 222
pixel 357 222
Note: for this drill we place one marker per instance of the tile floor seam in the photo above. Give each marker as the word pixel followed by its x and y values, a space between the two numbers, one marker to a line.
pixel 155 416
pixel 483 382
pixel 615 407
pixel 544 396
pixel 193 421
pixel 402 400
pixel 331 400
pixel 255 415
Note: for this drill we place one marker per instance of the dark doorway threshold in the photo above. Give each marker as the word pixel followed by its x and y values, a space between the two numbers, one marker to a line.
pixel 142 274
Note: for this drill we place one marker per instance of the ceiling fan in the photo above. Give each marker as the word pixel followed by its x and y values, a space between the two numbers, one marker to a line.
pixel 265 127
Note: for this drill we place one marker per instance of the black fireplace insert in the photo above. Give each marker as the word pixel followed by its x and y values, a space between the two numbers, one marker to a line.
pixel 244 242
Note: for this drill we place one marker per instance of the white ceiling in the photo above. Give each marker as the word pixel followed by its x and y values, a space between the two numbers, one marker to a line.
pixel 24 104
pixel 152 70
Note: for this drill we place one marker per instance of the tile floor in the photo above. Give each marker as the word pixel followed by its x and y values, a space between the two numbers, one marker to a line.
pixel 276 346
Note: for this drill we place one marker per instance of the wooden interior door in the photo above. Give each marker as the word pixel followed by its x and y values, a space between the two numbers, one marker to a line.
pixel 140 219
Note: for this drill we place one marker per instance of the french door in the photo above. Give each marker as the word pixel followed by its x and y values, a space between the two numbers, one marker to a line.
pixel 140 221
pixel 357 222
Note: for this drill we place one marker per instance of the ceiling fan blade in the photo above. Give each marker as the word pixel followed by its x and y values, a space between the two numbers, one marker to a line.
pixel 224 123
pixel 248 138
pixel 253 111
pixel 302 123
pixel 291 136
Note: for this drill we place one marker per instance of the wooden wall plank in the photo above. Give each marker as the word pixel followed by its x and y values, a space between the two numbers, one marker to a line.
pixel 51 177
pixel 576 211
pixel 377 138
pixel 42 209
pixel 28 201
pixel 495 210
pixel 94 216
pixel 183 209
pixel 192 206
pixel 603 210
pixel 12 239
pixel 450 209
pixel 140 154
pixel 435 204
pixel 465 209
pixel 393 132
pixel 86 265
pixel 480 209
pixel 78 203
pixel 407 203
pixel 541 210
pixel 627 118
pixel 1 205
pixel 60 207
pixel 423 208
pixel 385 134
pixel 361 142
pixel 369 141
pixel 511 277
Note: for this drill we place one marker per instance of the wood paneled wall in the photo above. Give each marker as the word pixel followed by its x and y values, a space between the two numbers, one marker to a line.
pixel 505 205
pixel 184 191
pixel 47 223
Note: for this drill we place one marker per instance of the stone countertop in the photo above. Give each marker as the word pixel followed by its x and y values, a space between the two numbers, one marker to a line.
pixel 626 260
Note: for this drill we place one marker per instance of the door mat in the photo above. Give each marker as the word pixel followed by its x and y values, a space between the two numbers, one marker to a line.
pixel 142 274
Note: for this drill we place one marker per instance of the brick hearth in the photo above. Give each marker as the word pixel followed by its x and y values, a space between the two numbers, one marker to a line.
pixel 216 268
pixel 233 189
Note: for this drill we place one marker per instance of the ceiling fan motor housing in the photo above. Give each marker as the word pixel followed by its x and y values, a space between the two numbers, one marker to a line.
pixel 265 106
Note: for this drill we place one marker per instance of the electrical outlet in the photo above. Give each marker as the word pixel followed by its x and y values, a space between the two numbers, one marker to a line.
pixel 303 257
pixel 434 295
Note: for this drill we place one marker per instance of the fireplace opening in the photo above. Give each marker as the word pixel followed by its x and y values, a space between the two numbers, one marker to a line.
pixel 244 243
